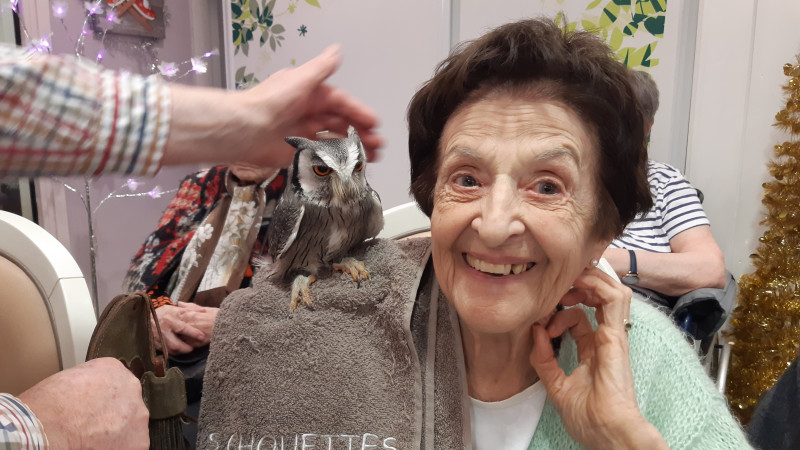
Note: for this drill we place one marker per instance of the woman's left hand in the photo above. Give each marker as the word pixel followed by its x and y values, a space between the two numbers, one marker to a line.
pixel 597 402
pixel 200 317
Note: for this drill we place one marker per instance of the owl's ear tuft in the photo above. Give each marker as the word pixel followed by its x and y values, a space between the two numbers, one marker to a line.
pixel 298 142
pixel 352 133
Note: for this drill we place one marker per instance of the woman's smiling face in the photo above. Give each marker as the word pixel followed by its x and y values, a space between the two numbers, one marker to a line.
pixel 514 207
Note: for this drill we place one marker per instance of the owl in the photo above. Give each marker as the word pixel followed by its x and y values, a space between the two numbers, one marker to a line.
pixel 327 208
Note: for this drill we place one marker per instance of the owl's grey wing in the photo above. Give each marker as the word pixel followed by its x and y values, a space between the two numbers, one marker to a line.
pixel 375 218
pixel 284 227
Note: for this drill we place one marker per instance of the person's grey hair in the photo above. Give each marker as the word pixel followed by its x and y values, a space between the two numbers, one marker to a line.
pixel 646 92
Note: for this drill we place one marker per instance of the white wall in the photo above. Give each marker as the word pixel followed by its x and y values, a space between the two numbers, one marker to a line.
pixel 389 52
pixel 6 25
pixel 738 75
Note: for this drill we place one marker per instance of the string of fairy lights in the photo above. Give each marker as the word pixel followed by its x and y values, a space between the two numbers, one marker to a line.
pixel 100 9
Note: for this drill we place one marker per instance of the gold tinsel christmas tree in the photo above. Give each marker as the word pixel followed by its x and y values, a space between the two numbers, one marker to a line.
pixel 766 324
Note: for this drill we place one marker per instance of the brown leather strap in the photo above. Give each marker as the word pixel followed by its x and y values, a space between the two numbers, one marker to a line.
pixel 124 331
pixel 211 297
pixel 154 317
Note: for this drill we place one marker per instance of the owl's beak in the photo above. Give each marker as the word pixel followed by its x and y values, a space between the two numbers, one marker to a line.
pixel 345 190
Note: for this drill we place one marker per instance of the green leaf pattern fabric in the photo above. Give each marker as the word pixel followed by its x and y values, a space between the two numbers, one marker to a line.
pixel 616 21
pixel 255 21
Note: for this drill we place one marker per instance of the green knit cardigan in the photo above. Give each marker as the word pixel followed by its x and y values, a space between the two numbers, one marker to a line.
pixel 673 390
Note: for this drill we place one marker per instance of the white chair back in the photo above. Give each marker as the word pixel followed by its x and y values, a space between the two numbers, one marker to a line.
pixel 46 312
pixel 404 221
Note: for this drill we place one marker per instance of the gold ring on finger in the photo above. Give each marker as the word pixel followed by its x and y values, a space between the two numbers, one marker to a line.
pixel 628 325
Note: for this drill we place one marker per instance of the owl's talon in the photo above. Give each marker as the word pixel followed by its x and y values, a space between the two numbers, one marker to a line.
pixel 353 267
pixel 300 287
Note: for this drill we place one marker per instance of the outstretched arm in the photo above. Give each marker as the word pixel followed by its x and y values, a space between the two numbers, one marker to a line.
pixel 67 117
pixel 696 262
pixel 250 125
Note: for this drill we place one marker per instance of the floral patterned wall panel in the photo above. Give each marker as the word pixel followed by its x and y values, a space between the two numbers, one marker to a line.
pixel 390 47
pixel 258 25
pixel 632 29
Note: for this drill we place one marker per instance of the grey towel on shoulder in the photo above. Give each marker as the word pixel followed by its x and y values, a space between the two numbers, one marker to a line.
pixel 343 374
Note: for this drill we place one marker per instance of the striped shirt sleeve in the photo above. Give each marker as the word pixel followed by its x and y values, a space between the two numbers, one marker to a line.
pixel 681 208
pixel 676 208
pixel 62 116
pixel 19 427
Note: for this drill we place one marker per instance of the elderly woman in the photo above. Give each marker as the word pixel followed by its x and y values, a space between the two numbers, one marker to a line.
pixel 528 154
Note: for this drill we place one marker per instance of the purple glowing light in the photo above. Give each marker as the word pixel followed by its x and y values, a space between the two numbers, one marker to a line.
pixel 132 184
pixel 59 8
pixel 40 45
pixel 168 69
pixel 199 66
pixel 93 7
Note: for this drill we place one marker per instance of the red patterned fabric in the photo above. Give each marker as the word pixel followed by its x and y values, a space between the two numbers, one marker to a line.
pixel 154 267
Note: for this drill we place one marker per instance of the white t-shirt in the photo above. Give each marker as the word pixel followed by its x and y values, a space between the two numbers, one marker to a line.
pixel 508 424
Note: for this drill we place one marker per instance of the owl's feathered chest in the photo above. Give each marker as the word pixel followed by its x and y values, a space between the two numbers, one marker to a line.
pixel 339 227
pixel 309 236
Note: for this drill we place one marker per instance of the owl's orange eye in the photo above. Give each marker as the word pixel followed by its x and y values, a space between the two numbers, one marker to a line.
pixel 322 170
pixel 359 167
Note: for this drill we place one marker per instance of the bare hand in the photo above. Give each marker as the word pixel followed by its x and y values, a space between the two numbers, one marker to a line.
pixel 299 103
pixel 184 328
pixel 200 317
pixel 216 125
pixel 96 405
pixel 597 401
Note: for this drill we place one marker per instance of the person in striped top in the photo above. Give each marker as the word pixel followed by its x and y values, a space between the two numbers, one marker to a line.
pixel 61 116
pixel 670 249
